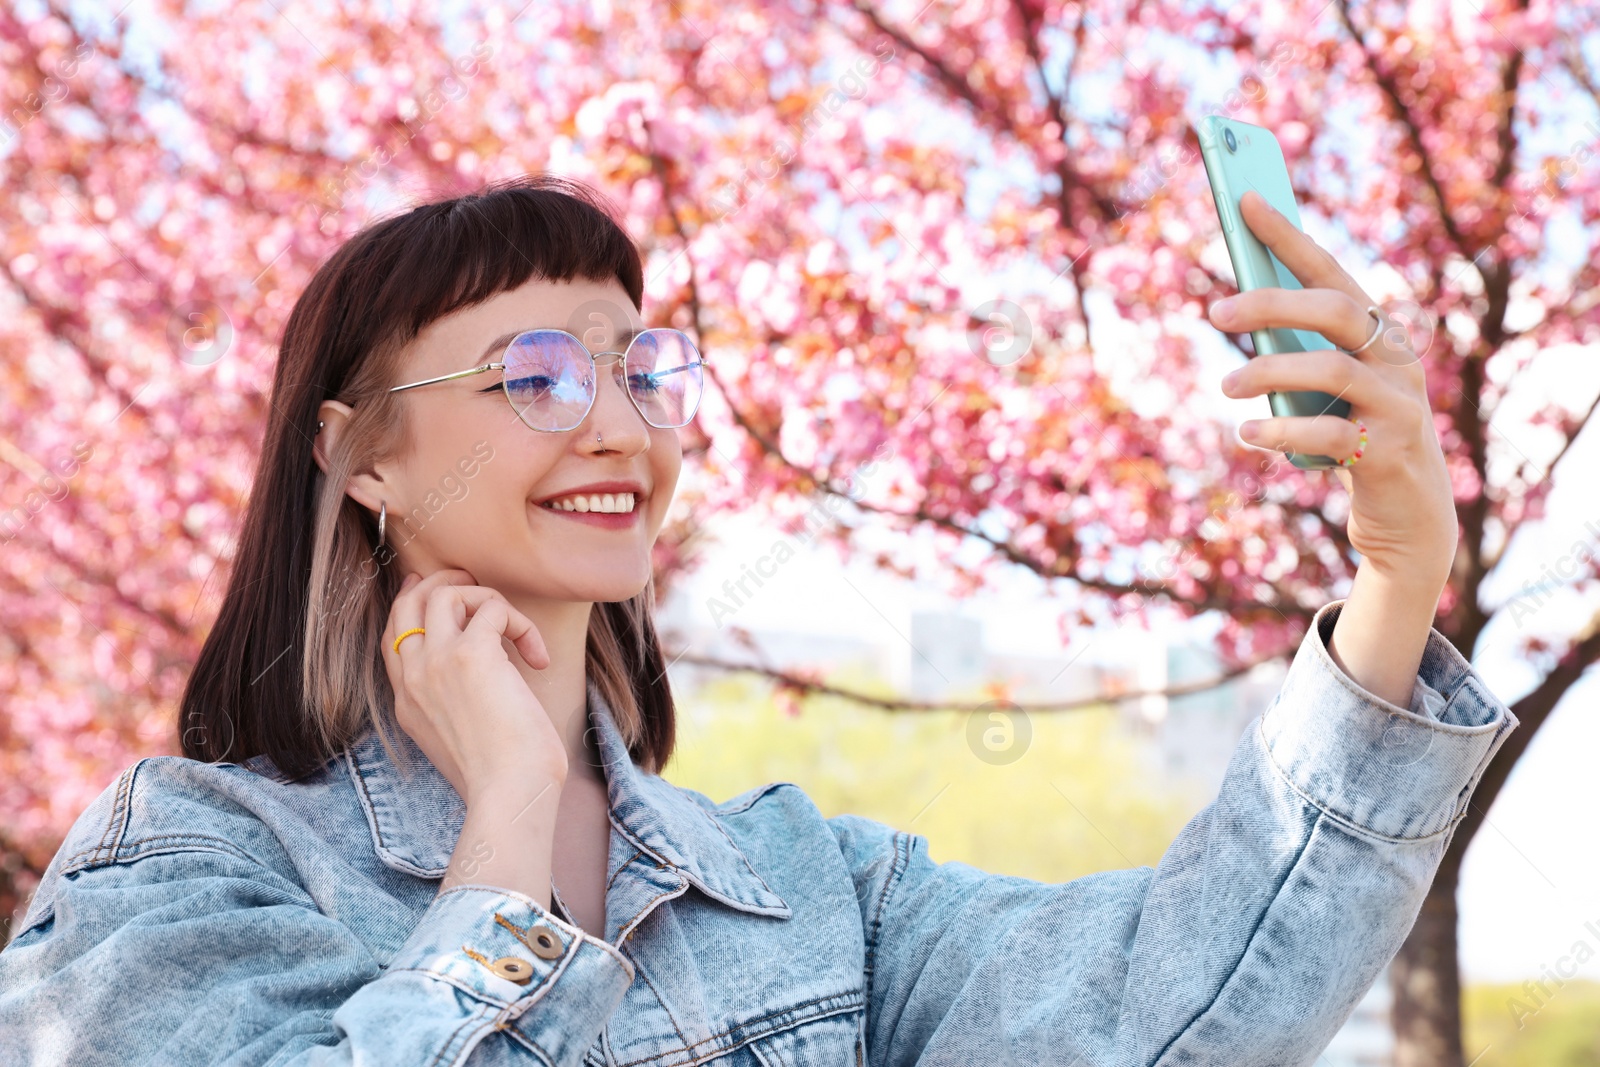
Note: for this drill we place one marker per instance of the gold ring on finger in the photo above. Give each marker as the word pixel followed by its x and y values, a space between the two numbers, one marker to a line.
pixel 1377 328
pixel 402 637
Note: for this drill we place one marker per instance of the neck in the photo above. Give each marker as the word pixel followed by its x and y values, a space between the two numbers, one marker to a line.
pixel 561 688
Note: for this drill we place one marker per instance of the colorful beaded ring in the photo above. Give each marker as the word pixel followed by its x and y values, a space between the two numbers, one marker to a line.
pixel 1361 445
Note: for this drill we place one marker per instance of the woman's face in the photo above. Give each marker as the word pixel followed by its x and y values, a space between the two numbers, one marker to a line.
pixel 468 492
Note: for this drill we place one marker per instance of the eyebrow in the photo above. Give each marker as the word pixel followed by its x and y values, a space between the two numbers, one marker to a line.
pixel 498 345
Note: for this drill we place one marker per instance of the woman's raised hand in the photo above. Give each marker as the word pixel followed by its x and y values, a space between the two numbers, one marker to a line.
pixel 1402 508
pixel 457 693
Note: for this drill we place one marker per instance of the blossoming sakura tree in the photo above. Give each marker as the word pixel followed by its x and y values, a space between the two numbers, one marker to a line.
pixel 951 261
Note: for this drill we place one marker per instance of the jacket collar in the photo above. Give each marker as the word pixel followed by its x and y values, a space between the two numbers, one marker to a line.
pixel 416 822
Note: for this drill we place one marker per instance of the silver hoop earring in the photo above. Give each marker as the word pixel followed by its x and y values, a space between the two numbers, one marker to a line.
pixel 383 516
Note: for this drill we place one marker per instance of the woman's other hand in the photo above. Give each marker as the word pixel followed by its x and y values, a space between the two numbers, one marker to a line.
pixel 457 693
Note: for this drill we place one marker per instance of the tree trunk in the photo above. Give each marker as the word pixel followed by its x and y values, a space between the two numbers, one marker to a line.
pixel 1426 977
pixel 1426 1012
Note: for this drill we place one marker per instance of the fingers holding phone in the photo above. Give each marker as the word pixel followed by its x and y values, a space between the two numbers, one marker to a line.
pixel 1380 340
pixel 1370 365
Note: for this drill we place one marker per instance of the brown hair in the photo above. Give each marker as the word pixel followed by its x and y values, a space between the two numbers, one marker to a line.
pixel 292 667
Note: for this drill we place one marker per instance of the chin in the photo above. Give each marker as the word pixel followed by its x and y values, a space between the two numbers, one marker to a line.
pixel 599 588
pixel 615 593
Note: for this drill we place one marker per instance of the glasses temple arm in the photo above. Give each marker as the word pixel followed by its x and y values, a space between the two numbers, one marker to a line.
pixel 448 377
pixel 674 370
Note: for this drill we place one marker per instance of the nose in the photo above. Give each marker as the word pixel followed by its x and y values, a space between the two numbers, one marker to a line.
pixel 620 426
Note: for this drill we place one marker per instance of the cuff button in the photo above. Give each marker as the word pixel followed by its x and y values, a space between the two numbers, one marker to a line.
pixel 517 970
pixel 544 942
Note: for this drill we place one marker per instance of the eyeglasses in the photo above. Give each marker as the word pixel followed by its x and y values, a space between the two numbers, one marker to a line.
pixel 550 378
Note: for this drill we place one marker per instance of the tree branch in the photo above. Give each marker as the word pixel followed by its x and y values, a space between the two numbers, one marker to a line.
pixel 1532 710
pixel 1391 90
pixel 1491 560
pixel 811 687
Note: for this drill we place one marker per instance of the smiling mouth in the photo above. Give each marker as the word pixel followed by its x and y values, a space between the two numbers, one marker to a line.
pixel 597 503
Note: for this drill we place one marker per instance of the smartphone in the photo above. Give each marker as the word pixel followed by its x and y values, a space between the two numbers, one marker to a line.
pixel 1239 157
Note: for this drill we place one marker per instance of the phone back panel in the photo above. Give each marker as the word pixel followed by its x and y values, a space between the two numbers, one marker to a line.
pixel 1256 162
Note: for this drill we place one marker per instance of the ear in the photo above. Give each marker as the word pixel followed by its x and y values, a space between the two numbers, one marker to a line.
pixel 365 488
pixel 331 419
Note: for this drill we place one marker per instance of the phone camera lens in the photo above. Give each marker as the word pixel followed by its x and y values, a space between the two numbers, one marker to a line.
pixel 1229 140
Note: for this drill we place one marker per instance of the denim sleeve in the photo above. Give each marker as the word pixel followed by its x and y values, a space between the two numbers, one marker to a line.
pixel 1249 944
pixel 203 957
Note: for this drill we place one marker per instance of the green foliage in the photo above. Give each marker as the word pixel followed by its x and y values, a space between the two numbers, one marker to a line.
pixel 1513 1026
pixel 1082 797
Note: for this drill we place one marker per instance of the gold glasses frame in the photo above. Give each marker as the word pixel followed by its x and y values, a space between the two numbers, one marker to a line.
pixel 594 360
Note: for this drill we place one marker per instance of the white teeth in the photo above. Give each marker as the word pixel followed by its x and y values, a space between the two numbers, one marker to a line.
pixel 610 503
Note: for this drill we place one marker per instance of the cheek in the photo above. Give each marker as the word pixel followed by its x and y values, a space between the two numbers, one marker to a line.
pixel 666 462
pixel 509 469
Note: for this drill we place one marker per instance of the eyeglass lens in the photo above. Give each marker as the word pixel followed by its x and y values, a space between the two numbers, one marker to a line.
pixel 550 378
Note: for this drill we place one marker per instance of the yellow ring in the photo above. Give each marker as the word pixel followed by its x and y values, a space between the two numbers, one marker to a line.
pixel 408 633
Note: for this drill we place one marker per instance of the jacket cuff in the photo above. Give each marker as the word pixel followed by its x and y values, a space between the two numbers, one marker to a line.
pixel 1392 772
pixel 576 979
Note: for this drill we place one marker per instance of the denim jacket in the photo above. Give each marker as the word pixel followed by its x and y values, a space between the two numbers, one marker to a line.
pixel 217 914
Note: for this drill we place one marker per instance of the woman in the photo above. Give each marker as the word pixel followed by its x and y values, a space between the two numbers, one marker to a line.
pixel 506 879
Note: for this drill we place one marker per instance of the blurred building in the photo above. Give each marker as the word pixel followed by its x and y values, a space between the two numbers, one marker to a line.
pixel 946 654
pixel 1367 1039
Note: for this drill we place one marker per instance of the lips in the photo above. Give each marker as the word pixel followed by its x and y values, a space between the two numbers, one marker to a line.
pixel 605 520
pixel 608 488
pixel 586 504
pixel 594 503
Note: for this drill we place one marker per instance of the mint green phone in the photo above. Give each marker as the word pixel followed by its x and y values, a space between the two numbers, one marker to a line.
pixel 1239 157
